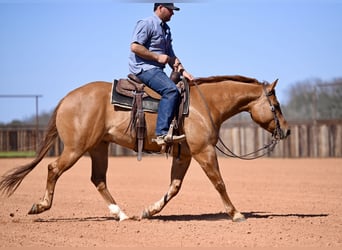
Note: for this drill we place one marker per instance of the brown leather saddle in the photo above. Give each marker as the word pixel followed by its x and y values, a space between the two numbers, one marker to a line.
pixel 134 95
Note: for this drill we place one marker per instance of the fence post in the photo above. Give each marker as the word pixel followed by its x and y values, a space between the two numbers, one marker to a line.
pixel 323 141
pixel 338 141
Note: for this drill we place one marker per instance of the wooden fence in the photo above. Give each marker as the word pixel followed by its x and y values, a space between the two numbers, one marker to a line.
pixel 307 139
pixel 320 139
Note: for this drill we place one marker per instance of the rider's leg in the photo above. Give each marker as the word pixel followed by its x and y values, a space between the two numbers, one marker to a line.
pixel 170 97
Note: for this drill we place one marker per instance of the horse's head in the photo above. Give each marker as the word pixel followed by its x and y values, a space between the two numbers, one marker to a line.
pixel 267 113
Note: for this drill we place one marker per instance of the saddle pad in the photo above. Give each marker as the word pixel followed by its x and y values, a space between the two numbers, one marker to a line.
pixel 149 104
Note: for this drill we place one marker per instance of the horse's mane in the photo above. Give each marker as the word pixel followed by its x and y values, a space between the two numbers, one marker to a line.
pixel 237 78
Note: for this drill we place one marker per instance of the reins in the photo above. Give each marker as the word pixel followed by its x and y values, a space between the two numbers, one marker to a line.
pixel 268 147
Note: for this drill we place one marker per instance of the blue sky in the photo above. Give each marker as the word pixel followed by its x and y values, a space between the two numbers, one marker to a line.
pixel 51 47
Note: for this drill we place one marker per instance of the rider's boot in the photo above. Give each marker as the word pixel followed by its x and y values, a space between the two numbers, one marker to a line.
pixel 169 138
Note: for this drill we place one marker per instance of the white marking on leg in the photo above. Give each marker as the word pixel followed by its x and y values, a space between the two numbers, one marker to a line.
pixel 116 211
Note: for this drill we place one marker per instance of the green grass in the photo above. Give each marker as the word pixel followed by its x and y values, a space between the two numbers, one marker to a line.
pixel 16 154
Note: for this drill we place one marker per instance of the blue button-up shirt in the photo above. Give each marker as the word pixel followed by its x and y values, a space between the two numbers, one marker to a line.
pixel 150 33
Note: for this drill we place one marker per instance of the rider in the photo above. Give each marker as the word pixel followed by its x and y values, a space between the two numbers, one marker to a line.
pixel 151 50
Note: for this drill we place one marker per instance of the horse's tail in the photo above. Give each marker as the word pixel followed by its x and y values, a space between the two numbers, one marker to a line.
pixel 11 180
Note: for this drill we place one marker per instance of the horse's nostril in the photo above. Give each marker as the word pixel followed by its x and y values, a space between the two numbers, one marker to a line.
pixel 288 132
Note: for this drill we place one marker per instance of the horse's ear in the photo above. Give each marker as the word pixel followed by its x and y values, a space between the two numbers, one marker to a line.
pixel 274 84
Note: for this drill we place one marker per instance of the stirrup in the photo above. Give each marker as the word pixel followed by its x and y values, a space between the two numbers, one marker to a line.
pixel 168 139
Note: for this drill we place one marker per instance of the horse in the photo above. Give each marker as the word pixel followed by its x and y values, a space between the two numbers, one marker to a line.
pixel 86 122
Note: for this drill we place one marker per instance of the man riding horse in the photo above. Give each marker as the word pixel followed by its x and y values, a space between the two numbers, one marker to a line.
pixel 213 101
pixel 151 50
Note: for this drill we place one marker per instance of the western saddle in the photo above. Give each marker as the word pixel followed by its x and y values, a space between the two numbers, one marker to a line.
pixel 133 88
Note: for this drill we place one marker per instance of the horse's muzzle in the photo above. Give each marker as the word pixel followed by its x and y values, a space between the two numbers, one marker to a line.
pixel 281 134
pixel 284 133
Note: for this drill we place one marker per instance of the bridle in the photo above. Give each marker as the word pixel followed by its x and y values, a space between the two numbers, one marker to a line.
pixel 276 135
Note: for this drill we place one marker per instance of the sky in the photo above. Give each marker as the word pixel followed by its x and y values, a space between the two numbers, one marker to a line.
pixel 50 47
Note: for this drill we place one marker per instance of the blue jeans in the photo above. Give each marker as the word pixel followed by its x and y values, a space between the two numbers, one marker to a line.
pixel 157 80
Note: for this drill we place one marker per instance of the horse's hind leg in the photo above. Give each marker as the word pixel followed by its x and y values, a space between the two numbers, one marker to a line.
pixel 99 166
pixel 55 169
pixel 178 171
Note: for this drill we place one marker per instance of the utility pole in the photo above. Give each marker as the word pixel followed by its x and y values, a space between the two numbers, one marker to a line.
pixel 37 115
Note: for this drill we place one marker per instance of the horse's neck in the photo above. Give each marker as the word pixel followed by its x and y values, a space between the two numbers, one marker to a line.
pixel 231 98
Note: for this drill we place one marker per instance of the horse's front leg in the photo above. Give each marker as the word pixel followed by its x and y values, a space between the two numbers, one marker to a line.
pixel 178 171
pixel 208 161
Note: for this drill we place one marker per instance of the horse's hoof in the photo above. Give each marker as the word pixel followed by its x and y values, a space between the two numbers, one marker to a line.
pixel 145 214
pixel 123 217
pixel 34 209
pixel 37 209
pixel 238 217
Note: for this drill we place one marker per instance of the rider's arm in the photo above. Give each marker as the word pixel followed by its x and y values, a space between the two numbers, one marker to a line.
pixel 143 52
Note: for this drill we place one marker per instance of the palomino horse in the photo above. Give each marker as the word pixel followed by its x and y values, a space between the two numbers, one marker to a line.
pixel 85 121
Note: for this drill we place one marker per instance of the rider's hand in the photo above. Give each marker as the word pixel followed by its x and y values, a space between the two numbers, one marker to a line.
pixel 187 75
pixel 163 59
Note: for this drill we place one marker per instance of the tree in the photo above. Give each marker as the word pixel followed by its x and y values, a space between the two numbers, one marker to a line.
pixel 315 99
pixel 43 119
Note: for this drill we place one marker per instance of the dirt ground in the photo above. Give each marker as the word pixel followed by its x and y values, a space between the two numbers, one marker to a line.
pixel 287 203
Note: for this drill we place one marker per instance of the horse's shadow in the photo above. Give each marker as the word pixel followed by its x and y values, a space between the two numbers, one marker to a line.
pixel 188 217
pixel 224 216
pixel 77 219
